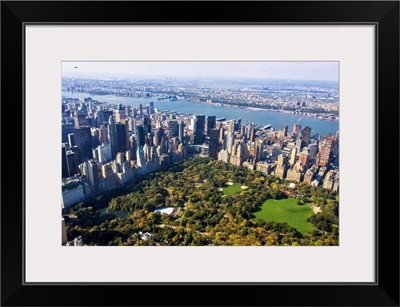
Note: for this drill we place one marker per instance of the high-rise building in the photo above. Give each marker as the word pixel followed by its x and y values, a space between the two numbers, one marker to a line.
pixel 222 134
pixel 104 153
pixel 331 180
pixel 93 175
pixel 64 239
pixel 95 136
pixel 199 129
pixel 72 163
pixel 120 158
pixel 64 164
pixel 231 126
pixel 103 135
pixel 296 129
pixel 213 143
pixel 80 119
pixel 108 174
pixel 112 136
pixel 229 141
pixel 157 136
pixel 312 151
pixel 285 130
pixel 210 123
pixel 83 139
pixel 238 124
pixel 66 129
pixel 147 124
pixel 107 114
pixel 303 158
pixel 121 136
pixel 128 156
pixel 120 114
pixel 306 136
pixel 173 127
pixel 259 148
pixel 293 156
pixel 132 124
pixel 326 147
pixel 251 132
pixel 139 136
pixel 181 132
pixel 281 167
pixel 224 155
pixel 71 140
pixel 151 107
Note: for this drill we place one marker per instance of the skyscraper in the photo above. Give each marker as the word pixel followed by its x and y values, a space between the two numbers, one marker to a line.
pixel 71 140
pixel 303 157
pixel 120 114
pixel 238 123
pixel 181 131
pixel 132 124
pixel 66 129
pixel 121 137
pixel 95 136
pixel 80 119
pixel 306 135
pixel 213 144
pixel 104 153
pixel 199 129
pixel 285 130
pixel 296 129
pixel 83 139
pixel 293 156
pixel 64 164
pixel 210 123
pixel 280 170
pixel 93 175
pixel 229 141
pixel 147 124
pixel 139 136
pixel 103 135
pixel 251 132
pixel 173 127
pixel 112 136
pixel 151 105
pixel 72 165
pixel 231 126
pixel 64 238
pixel 326 147
pixel 157 136
pixel 259 150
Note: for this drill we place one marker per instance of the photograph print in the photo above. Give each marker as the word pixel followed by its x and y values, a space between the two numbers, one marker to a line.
pixel 200 153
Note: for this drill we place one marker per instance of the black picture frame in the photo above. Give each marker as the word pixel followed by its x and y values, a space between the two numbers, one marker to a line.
pixel 383 14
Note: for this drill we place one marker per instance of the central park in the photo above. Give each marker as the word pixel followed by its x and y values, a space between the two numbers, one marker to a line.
pixel 202 202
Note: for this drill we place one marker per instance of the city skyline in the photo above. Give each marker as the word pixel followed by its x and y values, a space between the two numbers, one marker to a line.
pixel 284 70
pixel 200 161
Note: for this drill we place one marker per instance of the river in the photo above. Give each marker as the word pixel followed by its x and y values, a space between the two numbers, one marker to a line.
pixel 259 117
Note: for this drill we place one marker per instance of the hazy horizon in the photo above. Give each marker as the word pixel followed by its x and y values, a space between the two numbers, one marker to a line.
pixel 305 71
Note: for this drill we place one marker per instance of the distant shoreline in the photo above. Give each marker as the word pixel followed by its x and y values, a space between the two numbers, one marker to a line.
pixel 233 106
pixel 314 115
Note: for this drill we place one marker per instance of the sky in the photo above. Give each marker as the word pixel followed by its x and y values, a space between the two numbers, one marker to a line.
pixel 322 71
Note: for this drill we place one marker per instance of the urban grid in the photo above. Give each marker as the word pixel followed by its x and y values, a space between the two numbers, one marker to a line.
pixel 111 151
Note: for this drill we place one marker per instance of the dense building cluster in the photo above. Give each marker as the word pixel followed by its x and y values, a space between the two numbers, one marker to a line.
pixel 303 97
pixel 105 146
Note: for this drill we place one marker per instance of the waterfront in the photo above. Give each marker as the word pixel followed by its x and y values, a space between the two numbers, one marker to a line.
pixel 259 117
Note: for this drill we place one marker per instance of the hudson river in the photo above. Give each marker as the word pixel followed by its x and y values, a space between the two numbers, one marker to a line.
pixel 259 117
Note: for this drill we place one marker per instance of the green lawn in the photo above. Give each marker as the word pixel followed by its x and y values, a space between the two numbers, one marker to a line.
pixel 232 189
pixel 286 210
